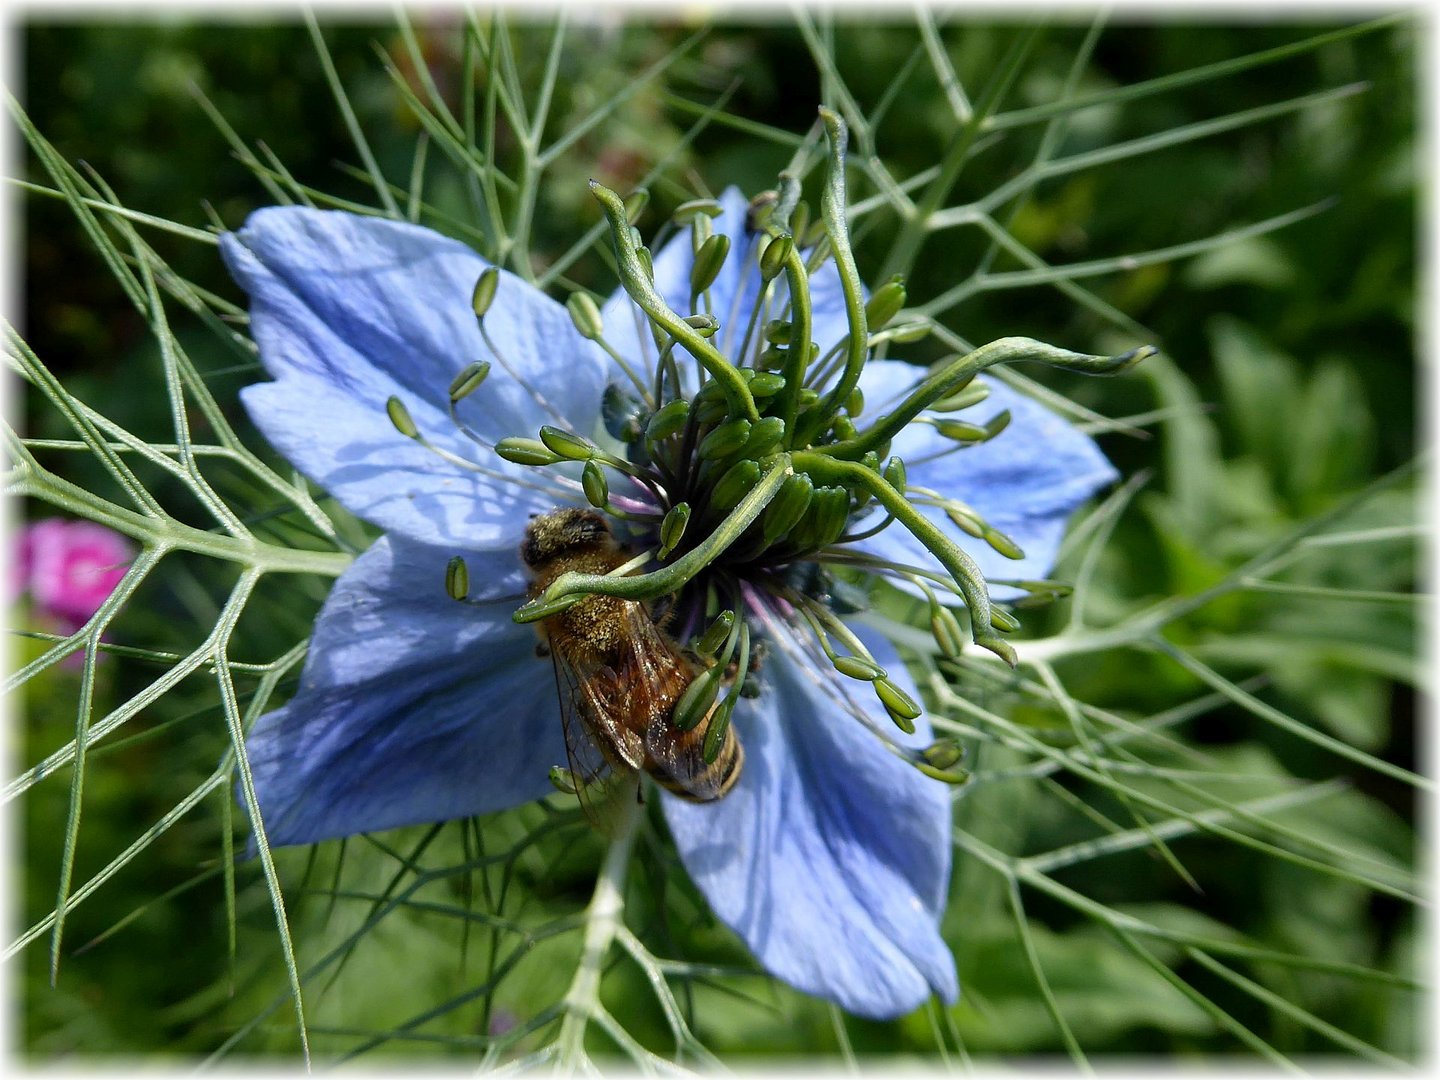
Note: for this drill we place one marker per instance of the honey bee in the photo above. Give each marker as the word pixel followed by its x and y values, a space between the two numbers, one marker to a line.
pixel 617 672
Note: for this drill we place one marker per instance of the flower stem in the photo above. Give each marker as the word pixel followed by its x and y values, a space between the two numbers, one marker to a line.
pixel 604 917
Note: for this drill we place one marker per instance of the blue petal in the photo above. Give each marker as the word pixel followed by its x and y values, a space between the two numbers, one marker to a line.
pixel 412 707
pixel 831 856
pixel 349 310
pixel 1026 482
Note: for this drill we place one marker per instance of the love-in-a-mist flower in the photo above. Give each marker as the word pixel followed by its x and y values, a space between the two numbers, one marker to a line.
pixel 724 412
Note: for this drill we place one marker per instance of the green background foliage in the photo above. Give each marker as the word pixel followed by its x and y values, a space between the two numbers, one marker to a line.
pixel 1280 411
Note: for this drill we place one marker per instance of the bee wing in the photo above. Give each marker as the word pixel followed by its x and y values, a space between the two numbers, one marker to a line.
pixel 674 758
pixel 597 747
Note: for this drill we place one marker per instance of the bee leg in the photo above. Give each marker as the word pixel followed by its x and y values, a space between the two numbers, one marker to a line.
pixel 640 794
pixel 542 650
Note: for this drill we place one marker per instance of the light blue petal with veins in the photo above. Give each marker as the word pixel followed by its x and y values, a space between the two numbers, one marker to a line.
pixel 831 857
pixel 412 707
pixel 349 310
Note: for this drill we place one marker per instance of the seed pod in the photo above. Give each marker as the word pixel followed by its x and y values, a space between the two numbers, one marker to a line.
pixel 484 294
pixel 526 452
pixel 735 484
pixel 667 420
pixel 709 260
pixel 585 315
pixel 596 487
pixel 469 380
pixel 400 417
pixel 566 445
pixel 724 440
pixel 672 527
pixel 457 578
pixel 885 303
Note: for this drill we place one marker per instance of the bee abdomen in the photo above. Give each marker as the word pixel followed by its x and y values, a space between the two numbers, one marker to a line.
pixel 717 779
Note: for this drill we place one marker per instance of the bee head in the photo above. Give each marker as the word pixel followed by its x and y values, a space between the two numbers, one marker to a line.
pixel 563 532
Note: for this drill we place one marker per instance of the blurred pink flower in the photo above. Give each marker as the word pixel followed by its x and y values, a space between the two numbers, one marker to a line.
pixel 70 567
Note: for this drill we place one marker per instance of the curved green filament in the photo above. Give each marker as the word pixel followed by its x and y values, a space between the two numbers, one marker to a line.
pixel 797 353
pixel 832 209
pixel 940 384
pixel 570 587
pixel 642 291
pixel 961 567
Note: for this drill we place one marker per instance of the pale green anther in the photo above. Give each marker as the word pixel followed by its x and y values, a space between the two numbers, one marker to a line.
pixel 704 325
pixel 772 358
pixel 855 403
pixel 687 211
pixel 469 380
pixel 400 417
pixel 885 303
pixel 596 487
pixel 857 667
pixel 895 473
pixel 734 484
pixel 457 578
pixel 908 333
pixel 484 294
pixel 762 208
pixel 1003 621
pixel 900 705
pixel 825 519
pixel 700 231
pixel 972 394
pixel 724 440
pixel 526 452
pixel 943 754
pixel 945 629
pixel 708 643
pixel 635 204
pixel 765 436
pixel 800 219
pixel 668 420
pixel 715 733
pixel 766 384
pixel 843 427
pixel 961 431
pixel 564 780
pixel 777 331
pixel 966 519
pixel 709 261
pixel 807 398
pixel 1001 543
pixel 789 506
pixel 772 259
pixel 997 423
pixel 585 315
pixel 697 699
pixel 712 411
pixel 672 527
pixel 646 262
pixel 566 445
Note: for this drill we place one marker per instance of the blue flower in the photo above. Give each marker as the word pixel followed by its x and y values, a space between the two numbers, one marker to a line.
pixel 831 856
